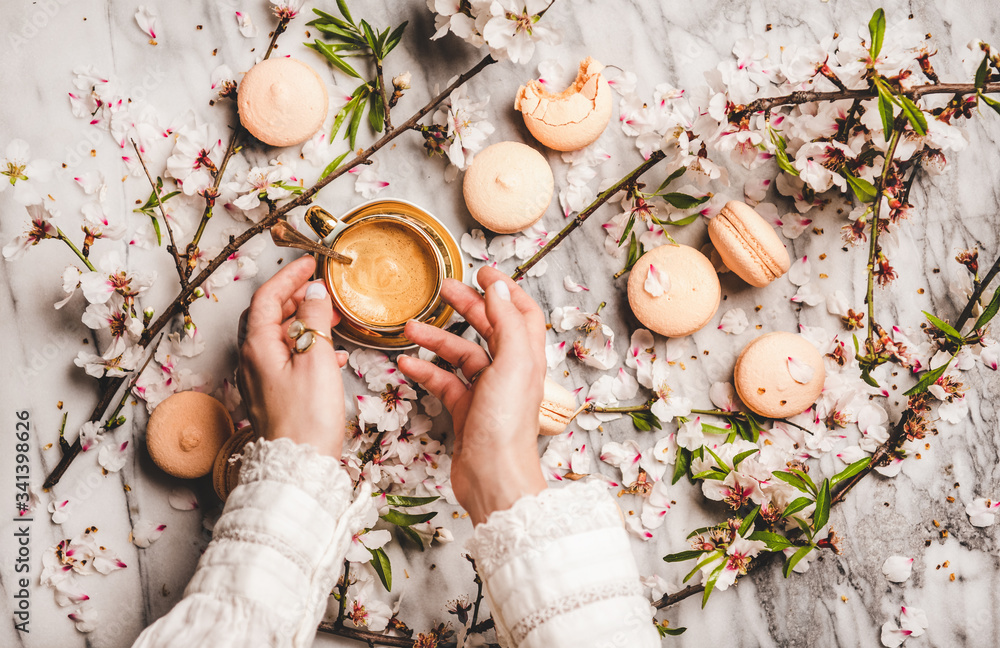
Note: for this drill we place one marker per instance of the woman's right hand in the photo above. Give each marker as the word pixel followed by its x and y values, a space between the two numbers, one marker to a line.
pixel 495 456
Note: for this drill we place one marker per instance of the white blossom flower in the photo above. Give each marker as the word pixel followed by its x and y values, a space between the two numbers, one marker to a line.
pixel 116 362
pixel 43 226
pixel 262 182
pixel 474 243
pixel 459 18
pixel 738 555
pixel 734 321
pixel 247 28
pixel 182 499
pixel 58 511
pixel 191 162
pixel 464 123
pixel 112 456
pixel 514 28
pixel 368 612
pixel 24 174
pixel 367 182
pixel 111 278
pixel 286 9
pixel 667 406
pixel 367 538
pixel 912 623
pixel 655 507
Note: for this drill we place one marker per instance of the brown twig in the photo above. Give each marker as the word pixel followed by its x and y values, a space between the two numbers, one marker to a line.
pixel 602 198
pixel 803 96
pixel 211 194
pixel 977 294
pixel 381 91
pixel 172 248
pixel 184 296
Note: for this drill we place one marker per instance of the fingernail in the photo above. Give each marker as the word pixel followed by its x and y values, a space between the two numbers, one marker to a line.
pixel 501 290
pixel 315 291
pixel 343 355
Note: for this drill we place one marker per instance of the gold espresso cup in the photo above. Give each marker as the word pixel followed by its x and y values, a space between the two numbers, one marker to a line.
pixel 364 291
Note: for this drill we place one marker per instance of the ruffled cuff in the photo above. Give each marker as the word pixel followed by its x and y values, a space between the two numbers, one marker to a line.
pixel 558 570
pixel 275 555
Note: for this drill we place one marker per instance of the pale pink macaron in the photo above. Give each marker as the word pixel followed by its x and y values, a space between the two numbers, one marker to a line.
pixel 557 409
pixel 282 101
pixel 571 119
pixel 674 290
pixel 508 187
pixel 779 374
pixel 185 433
pixel 748 244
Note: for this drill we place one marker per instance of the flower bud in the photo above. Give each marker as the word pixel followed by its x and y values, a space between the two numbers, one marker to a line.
pixel 401 81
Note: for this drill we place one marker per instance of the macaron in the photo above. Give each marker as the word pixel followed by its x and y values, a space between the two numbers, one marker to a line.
pixel 779 374
pixel 508 187
pixel 571 119
pixel 748 244
pixel 674 290
pixel 557 409
pixel 282 101
pixel 185 433
pixel 225 473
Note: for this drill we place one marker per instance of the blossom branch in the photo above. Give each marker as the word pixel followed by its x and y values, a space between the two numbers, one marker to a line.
pixel 629 180
pixel 804 96
pixel 210 196
pixel 381 90
pixel 186 293
pixel 172 248
pixel 65 239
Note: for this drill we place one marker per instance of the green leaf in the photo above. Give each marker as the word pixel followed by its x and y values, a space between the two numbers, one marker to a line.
pixel 798 555
pixel 945 327
pixel 331 55
pixel 850 471
pixel 747 523
pixel 682 556
pixel 681 464
pixel 684 221
pixel 371 38
pixel 342 5
pixel 822 514
pixel 885 101
pixel 684 201
pixel 380 562
pixel 711 473
pixel 774 541
pixel 928 379
pixel 710 583
pixel 797 505
pixel 156 228
pixel 863 190
pixel 330 168
pixel 645 421
pixel 673 632
pixel 406 519
pixel 981 73
pixel 989 312
pixel 376 112
pixel 352 40
pixel 711 429
pixel 992 103
pixel 876 27
pixel 322 14
pixel 408 500
pixel 412 535
pixel 792 479
pixel 352 128
pixel 743 455
pixel 868 378
pixel 709 557
pixel 915 115
pixel 393 39
pixel 670 178
pixel 627 230
pixel 722 464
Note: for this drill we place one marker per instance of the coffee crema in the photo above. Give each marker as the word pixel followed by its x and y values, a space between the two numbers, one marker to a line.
pixel 394 274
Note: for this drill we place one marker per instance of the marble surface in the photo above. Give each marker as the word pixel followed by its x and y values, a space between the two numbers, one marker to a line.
pixel 842 600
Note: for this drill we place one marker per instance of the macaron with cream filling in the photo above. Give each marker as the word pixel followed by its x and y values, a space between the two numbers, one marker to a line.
pixel 748 244
pixel 557 409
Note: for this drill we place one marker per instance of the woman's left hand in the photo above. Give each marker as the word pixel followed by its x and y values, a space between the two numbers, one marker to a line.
pixel 295 395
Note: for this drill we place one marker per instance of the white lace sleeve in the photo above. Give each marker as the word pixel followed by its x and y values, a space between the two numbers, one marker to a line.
pixel 558 571
pixel 275 554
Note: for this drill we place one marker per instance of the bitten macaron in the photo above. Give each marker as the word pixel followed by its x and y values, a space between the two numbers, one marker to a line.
pixel 674 290
pixel 779 374
pixel 282 101
pixel 571 119
pixel 186 432
pixel 748 244
pixel 508 187
pixel 557 409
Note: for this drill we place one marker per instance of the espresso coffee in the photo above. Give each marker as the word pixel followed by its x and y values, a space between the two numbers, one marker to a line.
pixel 394 274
